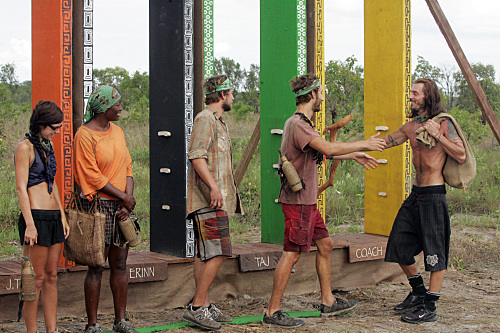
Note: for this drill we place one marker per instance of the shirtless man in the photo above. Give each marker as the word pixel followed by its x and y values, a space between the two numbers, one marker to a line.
pixel 422 223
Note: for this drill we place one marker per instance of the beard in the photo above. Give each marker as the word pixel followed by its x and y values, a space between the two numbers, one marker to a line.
pixel 417 107
pixel 226 107
pixel 317 107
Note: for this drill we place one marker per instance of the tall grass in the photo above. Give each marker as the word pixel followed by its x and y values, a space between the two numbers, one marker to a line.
pixel 482 196
pixel 345 199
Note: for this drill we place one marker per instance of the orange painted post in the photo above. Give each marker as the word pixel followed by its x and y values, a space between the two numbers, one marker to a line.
pixel 52 80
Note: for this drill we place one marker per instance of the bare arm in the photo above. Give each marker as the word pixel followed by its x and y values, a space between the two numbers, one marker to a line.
pixel 364 159
pixel 450 141
pixel 201 167
pixel 396 138
pixel 341 148
pixel 22 161
pixel 123 212
pixel 55 191
pixel 127 198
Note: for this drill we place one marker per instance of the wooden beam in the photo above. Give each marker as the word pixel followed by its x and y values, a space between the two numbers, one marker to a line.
pixel 247 154
pixel 465 67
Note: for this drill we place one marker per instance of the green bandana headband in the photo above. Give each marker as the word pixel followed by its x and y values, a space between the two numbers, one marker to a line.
pixel 226 85
pixel 308 89
pixel 101 99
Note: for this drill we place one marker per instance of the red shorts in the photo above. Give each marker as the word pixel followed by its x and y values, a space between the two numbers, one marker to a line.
pixel 303 224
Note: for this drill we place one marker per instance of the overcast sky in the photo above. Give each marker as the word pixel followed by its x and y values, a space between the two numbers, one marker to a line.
pixel 121 32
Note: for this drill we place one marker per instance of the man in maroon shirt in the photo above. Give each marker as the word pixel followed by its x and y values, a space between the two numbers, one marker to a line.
pixel 304 148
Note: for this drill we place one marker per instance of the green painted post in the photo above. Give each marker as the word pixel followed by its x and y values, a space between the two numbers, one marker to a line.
pixel 282 56
pixel 208 38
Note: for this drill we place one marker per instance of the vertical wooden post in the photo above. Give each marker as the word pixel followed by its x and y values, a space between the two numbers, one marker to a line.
pixel 465 67
pixel 173 96
pixel 52 78
pixel 387 84
pixel 282 56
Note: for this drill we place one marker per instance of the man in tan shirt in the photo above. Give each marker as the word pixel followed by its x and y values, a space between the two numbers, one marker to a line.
pixel 211 198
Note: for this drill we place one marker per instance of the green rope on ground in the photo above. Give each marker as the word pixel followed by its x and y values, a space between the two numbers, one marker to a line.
pixel 243 320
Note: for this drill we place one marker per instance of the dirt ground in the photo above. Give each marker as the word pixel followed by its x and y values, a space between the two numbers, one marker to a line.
pixel 469 302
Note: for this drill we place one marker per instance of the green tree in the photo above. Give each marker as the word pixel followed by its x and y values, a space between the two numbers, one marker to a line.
pixel 485 74
pixel 15 98
pixel 250 98
pixel 425 70
pixel 109 76
pixel 252 78
pixel 472 125
pixel 135 93
pixel 8 75
pixel 448 84
pixel 344 87
pixel 251 94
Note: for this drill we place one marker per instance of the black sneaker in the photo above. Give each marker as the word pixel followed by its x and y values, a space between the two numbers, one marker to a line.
pixel 283 320
pixel 422 314
pixel 411 302
pixel 340 306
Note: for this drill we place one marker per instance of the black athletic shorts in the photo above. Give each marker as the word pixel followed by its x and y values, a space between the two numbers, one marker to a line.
pixel 422 224
pixel 48 225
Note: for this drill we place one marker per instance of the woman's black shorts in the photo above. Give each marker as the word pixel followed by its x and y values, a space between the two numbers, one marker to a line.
pixel 48 225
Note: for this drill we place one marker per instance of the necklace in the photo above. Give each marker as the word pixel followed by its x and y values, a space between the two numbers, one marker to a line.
pixel 422 118
pixel 304 117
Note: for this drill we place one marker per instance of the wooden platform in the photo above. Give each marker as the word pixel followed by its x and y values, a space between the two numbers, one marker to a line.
pixel 160 281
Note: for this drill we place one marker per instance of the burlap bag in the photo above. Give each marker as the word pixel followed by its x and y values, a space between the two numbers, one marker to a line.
pixel 85 243
pixel 455 174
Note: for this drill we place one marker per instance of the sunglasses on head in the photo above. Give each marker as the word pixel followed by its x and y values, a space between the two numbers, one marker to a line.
pixel 55 127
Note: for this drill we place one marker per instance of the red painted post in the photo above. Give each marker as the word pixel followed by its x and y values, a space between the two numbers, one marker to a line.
pixel 52 80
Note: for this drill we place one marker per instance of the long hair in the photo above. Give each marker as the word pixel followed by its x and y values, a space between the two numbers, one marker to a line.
pixel 45 113
pixel 432 98
pixel 301 81
pixel 210 85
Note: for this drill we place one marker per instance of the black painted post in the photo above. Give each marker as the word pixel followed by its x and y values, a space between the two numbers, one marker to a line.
pixel 171 116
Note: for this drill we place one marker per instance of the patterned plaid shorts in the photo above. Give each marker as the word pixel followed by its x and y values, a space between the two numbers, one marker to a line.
pixel 211 229
pixel 109 208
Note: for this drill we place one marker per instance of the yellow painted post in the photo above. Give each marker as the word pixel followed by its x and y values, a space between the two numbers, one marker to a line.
pixel 319 120
pixel 387 85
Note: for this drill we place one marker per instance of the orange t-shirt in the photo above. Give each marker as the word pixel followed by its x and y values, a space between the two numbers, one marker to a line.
pixel 110 162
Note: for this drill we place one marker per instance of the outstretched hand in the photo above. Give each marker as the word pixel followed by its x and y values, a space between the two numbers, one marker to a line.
pixel 375 144
pixel 365 160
